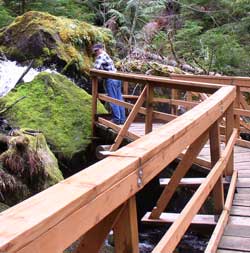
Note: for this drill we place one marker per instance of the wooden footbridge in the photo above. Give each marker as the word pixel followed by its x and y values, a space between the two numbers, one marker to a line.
pixel 100 198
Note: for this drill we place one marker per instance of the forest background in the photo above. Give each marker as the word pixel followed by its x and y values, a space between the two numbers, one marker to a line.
pixel 212 35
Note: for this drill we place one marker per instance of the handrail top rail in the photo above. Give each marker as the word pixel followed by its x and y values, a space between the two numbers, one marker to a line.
pixel 241 81
pixel 158 81
pixel 54 207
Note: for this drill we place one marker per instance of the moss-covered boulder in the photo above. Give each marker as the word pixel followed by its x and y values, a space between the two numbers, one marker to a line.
pixel 146 66
pixel 27 166
pixel 54 105
pixel 53 40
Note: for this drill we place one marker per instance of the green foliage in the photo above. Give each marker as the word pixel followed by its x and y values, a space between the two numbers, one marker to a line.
pixel 5 16
pixel 159 44
pixel 215 35
pixel 67 8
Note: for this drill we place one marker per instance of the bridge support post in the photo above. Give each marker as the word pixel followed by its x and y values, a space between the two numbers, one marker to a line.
pixel 126 230
pixel 218 191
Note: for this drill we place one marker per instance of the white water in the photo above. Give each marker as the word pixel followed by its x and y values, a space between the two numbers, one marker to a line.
pixel 10 72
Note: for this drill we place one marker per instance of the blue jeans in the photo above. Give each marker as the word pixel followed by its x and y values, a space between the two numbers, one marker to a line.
pixel 114 90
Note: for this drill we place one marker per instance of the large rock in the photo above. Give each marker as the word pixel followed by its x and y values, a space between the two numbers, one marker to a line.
pixel 48 39
pixel 57 107
pixel 27 166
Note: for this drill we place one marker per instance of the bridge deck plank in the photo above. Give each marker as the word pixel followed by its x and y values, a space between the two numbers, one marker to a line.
pixel 235 243
pixel 237 230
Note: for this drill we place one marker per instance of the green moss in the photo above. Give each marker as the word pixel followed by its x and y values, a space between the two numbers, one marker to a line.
pixel 55 106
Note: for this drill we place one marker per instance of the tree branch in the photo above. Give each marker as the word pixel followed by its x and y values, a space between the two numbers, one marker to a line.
pixel 7 108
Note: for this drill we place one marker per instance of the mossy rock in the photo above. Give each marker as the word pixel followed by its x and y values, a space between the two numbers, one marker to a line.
pixel 48 39
pixel 147 67
pixel 27 166
pixel 57 107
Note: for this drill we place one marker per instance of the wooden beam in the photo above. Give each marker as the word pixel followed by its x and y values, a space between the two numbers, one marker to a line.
pixel 159 81
pixel 229 130
pixel 94 102
pixel 117 128
pixel 199 161
pixel 90 242
pixel 243 102
pixel 149 106
pixel 242 112
pixel 125 87
pixel 181 170
pixel 173 97
pixel 188 104
pixel 218 191
pixel 126 237
pixel 129 120
pixel 222 222
pixel 186 181
pixel 224 80
pixel 177 230
pixel 157 115
pixel 237 106
pixel 168 218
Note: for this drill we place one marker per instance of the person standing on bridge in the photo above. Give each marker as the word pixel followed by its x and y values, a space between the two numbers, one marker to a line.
pixel 113 87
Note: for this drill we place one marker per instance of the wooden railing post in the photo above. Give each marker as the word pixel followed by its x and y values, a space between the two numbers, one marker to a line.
pixel 149 109
pixel 173 96
pixel 237 106
pixel 189 99
pixel 229 130
pixel 94 102
pixel 125 87
pixel 126 230
pixel 218 191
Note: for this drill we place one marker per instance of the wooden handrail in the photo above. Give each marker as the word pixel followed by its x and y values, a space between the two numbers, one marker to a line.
pixel 224 80
pixel 158 81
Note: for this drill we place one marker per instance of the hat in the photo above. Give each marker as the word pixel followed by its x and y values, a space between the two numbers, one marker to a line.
pixel 97 46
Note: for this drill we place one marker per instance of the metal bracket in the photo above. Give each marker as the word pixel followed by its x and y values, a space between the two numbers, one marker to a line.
pixel 222 108
pixel 140 174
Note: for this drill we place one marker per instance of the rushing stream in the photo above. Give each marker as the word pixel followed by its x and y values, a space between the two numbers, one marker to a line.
pixel 10 73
